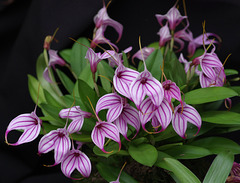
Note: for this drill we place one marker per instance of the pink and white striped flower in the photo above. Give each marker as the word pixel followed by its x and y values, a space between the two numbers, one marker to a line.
pixel 183 114
pixel 57 140
pixel 116 58
pixel 75 159
pixel 104 130
pixel 30 123
pixel 146 51
pixel 161 116
pixel 119 112
pixel 122 79
pixel 102 19
pixel 54 59
pixel 173 17
pixel 76 115
pixel 145 84
pixel 95 58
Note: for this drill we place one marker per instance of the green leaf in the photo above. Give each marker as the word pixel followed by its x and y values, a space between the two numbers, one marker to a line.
pixel 204 95
pixel 173 69
pixel 236 89
pixel 53 112
pixel 145 154
pixel 82 137
pixel 66 54
pixel 221 117
pixel 197 53
pixel 125 59
pixel 230 72
pixel 182 173
pixel 217 144
pixel 106 72
pixel 153 63
pixel 187 152
pixel 77 60
pixel 50 100
pixel 112 147
pixel 85 92
pixel 86 75
pixel 46 127
pixel 50 87
pixel 110 173
pixel 66 81
pixel 33 85
pixel 154 45
pixel 220 168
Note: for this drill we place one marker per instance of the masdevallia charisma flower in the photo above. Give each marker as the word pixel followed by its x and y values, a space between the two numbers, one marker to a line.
pixel 30 123
pixel 104 130
pixel 161 116
pixel 122 79
pixel 173 18
pixel 76 115
pixel 95 58
pixel 171 90
pixel 183 114
pixel 116 58
pixel 102 19
pixel 54 59
pixel 119 112
pixel 145 84
pixel 57 140
pixel 75 159
pixel 143 54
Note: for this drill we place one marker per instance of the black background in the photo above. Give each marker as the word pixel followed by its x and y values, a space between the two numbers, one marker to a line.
pixel 24 25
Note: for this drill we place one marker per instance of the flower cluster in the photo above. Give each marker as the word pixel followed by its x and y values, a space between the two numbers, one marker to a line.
pixel 131 97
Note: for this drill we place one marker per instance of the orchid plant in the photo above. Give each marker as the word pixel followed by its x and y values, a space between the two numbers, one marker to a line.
pixel 157 111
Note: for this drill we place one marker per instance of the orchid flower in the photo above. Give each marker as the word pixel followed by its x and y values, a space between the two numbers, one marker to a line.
pixel 183 114
pixel 122 79
pixel 95 58
pixel 116 58
pixel 54 59
pixel 208 62
pixel 145 84
pixel 75 159
pixel 30 123
pixel 57 140
pixel 76 115
pixel 100 39
pixel 173 17
pixel 104 130
pixel 161 115
pixel 120 112
pixel 146 51
pixel 102 19
pixel 171 90
pixel 234 173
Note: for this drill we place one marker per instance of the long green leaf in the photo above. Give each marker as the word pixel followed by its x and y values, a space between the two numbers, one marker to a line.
pixel 33 85
pixel 66 81
pixel 182 173
pixel 220 168
pixel 110 173
pixel 217 144
pixel 221 117
pixel 77 60
pixel 145 154
pixel 204 95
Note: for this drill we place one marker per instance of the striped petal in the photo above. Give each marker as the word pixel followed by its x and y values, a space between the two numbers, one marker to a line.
pixel 46 75
pixel 192 116
pixel 204 80
pixel 122 126
pixel 164 114
pixel 114 112
pixel 108 101
pixel 146 112
pixel 31 125
pixel 122 79
pixel 179 124
pixel 76 159
pixel 102 130
pixel 74 112
pixel 171 90
pixel 93 58
pixel 76 125
pixel 56 140
pixel 137 91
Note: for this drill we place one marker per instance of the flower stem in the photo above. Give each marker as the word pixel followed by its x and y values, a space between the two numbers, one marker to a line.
pixel 95 85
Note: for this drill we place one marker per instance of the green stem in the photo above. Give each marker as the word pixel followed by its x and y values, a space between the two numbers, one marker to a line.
pixel 172 40
pixel 95 85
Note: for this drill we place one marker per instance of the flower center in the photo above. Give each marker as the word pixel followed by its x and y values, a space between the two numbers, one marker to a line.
pixel 179 110
pixel 166 87
pixel 119 74
pixel 144 80
pixel 76 154
pixel 60 134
